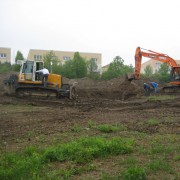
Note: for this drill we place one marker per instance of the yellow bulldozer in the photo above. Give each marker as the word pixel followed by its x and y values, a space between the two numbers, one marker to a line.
pixel 30 83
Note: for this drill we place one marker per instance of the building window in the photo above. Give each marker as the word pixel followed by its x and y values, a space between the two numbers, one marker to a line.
pixel 3 55
pixel 94 59
pixel 65 58
pixel 37 57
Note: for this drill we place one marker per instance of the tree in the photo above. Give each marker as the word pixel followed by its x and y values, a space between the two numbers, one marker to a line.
pixel 116 68
pixel 19 56
pixel 164 69
pixel 68 69
pixel 80 65
pixel 148 71
pixel 51 61
pixel 5 67
pixel 92 66
pixel 163 73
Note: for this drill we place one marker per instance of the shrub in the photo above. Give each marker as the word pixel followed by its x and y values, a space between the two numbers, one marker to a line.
pixel 134 173
pixel 107 128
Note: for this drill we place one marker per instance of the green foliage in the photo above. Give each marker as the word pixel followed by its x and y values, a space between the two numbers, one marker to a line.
pixel 75 68
pixel 5 67
pixel 159 165
pixel 51 61
pixel 19 166
pixel 129 161
pixel 116 68
pixel 15 67
pixel 148 71
pixel 66 173
pixel 161 75
pixel 91 124
pixel 164 69
pixel 157 148
pixel 86 149
pixel 76 128
pixel 92 66
pixel 177 158
pixel 152 122
pixel 19 56
pixel 107 128
pixel 80 66
pixel 67 69
pixel 29 163
pixel 134 173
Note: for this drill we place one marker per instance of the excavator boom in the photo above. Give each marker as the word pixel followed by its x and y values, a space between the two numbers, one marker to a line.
pixel 164 58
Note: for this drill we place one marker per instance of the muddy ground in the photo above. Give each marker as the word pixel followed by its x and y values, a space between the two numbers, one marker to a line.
pixel 33 121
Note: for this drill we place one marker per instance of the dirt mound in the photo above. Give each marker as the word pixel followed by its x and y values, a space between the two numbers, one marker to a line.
pixel 117 88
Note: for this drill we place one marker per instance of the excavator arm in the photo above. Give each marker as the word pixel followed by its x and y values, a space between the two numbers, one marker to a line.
pixel 140 52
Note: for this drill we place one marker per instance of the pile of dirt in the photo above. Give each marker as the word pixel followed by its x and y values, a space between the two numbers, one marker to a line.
pixel 117 88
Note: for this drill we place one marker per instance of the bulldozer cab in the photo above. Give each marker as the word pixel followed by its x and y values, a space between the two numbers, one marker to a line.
pixel 28 70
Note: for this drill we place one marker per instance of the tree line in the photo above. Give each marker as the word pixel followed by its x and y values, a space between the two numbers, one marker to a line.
pixel 162 74
pixel 79 67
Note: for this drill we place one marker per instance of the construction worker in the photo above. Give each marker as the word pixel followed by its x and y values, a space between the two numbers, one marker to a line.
pixel 147 89
pixel 154 86
pixel 44 74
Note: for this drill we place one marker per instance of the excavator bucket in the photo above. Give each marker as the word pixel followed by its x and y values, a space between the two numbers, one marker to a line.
pixel 130 76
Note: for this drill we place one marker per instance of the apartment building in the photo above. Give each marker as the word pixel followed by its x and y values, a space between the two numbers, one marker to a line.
pixel 154 64
pixel 63 56
pixel 5 55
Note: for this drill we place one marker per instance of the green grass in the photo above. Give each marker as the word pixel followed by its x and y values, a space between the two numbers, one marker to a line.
pixel 106 128
pixel 91 124
pixel 152 122
pixel 31 161
pixel 134 173
pixel 159 165
pixel 66 173
pixel 103 156
pixel 177 158
pixel 76 128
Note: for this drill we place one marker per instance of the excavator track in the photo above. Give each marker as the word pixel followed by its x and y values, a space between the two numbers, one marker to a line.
pixel 172 90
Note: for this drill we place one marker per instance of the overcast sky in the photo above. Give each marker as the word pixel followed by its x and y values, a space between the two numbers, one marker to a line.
pixel 110 27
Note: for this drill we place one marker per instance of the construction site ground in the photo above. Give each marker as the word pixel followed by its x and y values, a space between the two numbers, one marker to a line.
pixel 153 122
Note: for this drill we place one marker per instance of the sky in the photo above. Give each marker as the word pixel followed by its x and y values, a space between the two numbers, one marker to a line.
pixel 110 27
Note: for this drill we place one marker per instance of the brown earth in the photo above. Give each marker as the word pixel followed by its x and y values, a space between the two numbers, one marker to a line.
pixel 28 121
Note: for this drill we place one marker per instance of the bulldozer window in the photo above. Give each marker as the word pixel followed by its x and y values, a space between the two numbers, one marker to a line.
pixel 39 66
pixel 28 67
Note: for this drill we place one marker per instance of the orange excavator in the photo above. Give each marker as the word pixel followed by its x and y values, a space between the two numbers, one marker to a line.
pixel 164 58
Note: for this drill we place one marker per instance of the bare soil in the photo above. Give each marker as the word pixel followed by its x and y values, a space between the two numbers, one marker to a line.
pixel 34 121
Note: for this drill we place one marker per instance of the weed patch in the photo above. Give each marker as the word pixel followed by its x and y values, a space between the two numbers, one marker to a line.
pixel 160 164
pixel 153 122
pixel 28 164
pixel 133 173
pixel 110 128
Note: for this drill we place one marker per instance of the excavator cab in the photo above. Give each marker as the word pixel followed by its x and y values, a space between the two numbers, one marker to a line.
pixel 175 75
